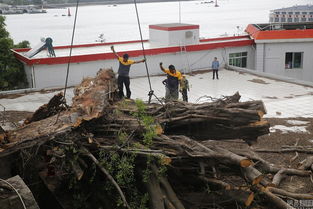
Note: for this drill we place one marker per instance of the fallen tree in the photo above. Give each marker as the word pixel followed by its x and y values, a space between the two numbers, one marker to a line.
pixel 102 152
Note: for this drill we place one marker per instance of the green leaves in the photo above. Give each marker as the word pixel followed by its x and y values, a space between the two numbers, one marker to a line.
pixel 12 74
pixel 147 121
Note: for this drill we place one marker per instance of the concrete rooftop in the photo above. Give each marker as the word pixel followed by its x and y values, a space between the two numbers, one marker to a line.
pixel 282 99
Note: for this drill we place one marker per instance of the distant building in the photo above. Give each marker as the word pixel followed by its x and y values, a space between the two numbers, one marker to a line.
pixel 284 49
pixel 301 13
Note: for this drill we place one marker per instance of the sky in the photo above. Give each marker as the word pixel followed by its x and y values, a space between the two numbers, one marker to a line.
pixel 119 23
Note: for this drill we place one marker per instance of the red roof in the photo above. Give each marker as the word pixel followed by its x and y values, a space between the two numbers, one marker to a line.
pixel 174 26
pixel 212 44
pixel 258 34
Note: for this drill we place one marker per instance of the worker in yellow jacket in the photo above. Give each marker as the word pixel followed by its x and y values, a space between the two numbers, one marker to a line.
pixel 172 82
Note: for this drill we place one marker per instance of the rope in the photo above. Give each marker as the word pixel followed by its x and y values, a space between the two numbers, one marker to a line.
pixel 151 92
pixel 71 48
pixel 69 59
pixel 18 194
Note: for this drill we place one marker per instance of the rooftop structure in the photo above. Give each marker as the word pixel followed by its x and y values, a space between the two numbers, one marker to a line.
pixel 289 32
pixel 298 13
pixel 284 50
pixel 173 43
pixel 177 34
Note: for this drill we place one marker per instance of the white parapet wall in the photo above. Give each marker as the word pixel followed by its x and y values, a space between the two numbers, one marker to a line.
pixel 50 72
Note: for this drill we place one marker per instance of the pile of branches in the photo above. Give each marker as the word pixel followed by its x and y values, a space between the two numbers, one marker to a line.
pixel 108 153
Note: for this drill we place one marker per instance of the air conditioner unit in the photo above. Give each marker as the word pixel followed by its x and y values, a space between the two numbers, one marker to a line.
pixel 188 34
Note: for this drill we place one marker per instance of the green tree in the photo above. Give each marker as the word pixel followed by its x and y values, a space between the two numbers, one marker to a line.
pixel 12 74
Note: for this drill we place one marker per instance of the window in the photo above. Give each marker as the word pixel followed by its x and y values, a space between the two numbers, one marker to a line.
pixel 304 13
pixel 283 19
pixel 283 13
pixel 277 13
pixel 290 13
pixel 276 19
pixel 296 19
pixel 311 19
pixel 311 13
pixel 238 59
pixel 289 19
pixel 293 60
pixel 303 19
pixel 297 13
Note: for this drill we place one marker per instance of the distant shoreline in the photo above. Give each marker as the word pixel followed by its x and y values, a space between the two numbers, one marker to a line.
pixel 111 2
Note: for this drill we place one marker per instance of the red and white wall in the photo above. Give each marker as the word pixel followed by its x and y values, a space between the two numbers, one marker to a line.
pixel 194 54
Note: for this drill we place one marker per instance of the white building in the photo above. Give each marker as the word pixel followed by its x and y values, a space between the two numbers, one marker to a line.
pixel 278 50
pixel 174 43
pixel 301 13
pixel 286 50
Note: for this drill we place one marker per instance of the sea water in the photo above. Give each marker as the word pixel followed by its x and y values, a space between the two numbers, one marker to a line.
pixel 110 23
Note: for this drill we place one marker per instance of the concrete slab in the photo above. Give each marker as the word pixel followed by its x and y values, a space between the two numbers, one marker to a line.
pixel 282 99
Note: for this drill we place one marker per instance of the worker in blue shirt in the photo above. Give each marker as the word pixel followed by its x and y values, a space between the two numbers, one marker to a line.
pixel 215 66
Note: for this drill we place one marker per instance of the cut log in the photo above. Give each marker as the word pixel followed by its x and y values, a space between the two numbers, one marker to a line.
pixel 307 163
pixel 96 121
pixel 223 119
pixel 308 150
pixel 155 193
pixel 89 102
pixel 107 174
pixel 275 200
pixel 291 195
pixel 195 149
pixel 279 176
pixel 169 191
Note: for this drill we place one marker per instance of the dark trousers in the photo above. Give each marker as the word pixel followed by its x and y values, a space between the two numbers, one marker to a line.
pixel 215 72
pixel 185 95
pixel 122 80
pixel 171 94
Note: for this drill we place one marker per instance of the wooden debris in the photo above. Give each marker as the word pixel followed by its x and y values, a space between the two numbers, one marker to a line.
pixel 174 135
pixel 56 104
